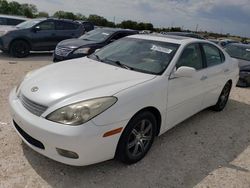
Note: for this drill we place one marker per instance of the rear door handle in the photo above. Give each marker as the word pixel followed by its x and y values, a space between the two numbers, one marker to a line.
pixel 226 70
pixel 203 78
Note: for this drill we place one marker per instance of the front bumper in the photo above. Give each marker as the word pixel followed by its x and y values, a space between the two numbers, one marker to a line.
pixel 244 79
pixel 86 140
pixel 1 44
pixel 58 58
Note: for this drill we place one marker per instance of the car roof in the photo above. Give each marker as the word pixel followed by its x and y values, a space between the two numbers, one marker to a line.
pixel 179 33
pixel 14 17
pixel 166 38
pixel 239 45
pixel 64 20
pixel 117 29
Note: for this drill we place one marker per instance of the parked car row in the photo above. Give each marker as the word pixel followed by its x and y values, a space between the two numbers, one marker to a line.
pixel 223 42
pixel 241 52
pixel 184 34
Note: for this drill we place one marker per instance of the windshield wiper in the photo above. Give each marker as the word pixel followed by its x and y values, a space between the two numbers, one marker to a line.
pixel 98 58
pixel 123 65
pixel 120 64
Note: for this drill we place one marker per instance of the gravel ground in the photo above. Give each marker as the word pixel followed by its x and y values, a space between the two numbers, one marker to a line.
pixel 208 150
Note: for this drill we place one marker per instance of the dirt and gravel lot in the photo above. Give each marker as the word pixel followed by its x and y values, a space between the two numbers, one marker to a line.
pixel 208 150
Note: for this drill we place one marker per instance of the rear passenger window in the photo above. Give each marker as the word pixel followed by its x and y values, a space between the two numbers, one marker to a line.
pixel 191 57
pixel 47 25
pixel 213 55
pixel 66 26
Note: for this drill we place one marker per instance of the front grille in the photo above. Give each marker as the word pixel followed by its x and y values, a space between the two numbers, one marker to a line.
pixel 60 51
pixel 34 108
pixel 28 138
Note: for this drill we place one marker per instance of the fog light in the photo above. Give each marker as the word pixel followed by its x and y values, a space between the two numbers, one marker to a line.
pixel 66 153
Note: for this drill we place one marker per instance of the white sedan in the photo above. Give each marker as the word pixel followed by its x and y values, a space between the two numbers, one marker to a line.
pixel 114 102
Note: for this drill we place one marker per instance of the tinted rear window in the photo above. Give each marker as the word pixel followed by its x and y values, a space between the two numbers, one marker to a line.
pixel 66 26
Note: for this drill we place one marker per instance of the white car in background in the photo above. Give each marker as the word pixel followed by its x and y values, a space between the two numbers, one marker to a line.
pixel 114 102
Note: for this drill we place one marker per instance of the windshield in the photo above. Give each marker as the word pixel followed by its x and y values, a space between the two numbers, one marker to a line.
pixel 97 35
pixel 27 24
pixel 239 52
pixel 141 55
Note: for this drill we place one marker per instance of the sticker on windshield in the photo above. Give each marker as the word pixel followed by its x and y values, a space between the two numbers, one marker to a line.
pixel 105 33
pixel 161 49
pixel 248 50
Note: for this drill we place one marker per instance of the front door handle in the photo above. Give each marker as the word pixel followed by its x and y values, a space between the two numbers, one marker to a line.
pixel 203 78
pixel 226 70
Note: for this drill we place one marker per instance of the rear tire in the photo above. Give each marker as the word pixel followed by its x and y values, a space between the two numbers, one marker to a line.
pixel 20 49
pixel 137 138
pixel 223 98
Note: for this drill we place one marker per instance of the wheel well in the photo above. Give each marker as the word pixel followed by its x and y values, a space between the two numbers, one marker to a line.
pixel 230 81
pixel 20 39
pixel 157 115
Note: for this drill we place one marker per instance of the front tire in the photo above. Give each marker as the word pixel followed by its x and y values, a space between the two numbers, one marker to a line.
pixel 137 138
pixel 223 98
pixel 20 49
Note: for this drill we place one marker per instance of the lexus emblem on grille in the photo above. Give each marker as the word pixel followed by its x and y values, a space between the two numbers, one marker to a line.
pixel 34 89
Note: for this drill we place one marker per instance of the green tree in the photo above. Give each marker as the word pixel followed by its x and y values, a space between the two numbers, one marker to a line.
pixel 98 20
pixel 14 8
pixel 175 29
pixel 42 15
pixel 4 7
pixel 65 15
pixel 79 16
pixel 128 24
pixel 29 10
pixel 149 26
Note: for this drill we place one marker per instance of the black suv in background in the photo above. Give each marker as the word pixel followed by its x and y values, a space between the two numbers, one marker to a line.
pixel 88 43
pixel 38 35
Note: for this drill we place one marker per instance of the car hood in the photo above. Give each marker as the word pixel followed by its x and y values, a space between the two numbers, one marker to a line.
pixel 83 76
pixel 75 43
pixel 244 65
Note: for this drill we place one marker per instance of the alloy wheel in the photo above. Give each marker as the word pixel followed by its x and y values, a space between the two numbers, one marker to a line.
pixel 140 138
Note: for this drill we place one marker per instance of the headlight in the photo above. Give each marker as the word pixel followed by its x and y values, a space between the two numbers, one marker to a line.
pixel 82 51
pixel 81 112
pixel 2 33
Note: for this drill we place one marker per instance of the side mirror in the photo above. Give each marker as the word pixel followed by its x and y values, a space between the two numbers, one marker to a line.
pixel 184 72
pixel 37 28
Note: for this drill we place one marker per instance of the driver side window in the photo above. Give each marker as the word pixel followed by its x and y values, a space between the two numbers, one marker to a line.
pixel 191 57
pixel 47 25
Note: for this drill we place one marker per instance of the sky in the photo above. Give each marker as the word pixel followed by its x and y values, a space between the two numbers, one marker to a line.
pixel 221 16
